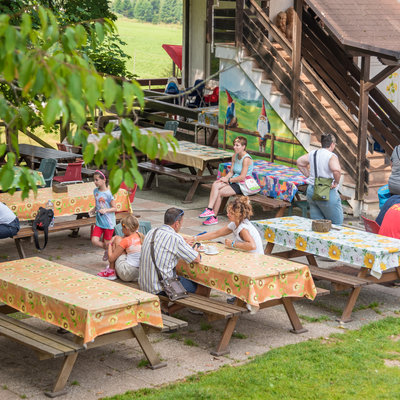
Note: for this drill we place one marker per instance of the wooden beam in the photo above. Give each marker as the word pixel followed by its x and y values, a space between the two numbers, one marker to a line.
pixel 296 58
pixel 209 21
pixel 362 127
pixel 239 23
pixel 37 139
pixel 378 78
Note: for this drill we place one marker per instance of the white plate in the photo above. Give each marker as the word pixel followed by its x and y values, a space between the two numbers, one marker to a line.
pixel 211 253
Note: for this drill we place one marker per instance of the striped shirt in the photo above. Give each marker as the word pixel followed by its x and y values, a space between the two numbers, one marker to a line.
pixel 169 247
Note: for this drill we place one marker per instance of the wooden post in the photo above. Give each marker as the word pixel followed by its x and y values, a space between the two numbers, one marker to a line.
pixel 272 147
pixel 362 127
pixel 239 23
pixel 296 58
pixel 224 146
pixel 209 21
pixel 63 131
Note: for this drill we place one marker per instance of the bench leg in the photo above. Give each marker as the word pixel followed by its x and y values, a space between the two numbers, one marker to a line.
pixel 63 376
pixel 20 249
pixel 147 348
pixel 222 347
pixel 223 205
pixel 293 317
pixel 149 181
pixel 281 212
pixel 193 188
pixel 269 247
pixel 346 315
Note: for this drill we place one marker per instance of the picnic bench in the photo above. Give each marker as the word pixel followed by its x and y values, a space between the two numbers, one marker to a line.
pixel 74 225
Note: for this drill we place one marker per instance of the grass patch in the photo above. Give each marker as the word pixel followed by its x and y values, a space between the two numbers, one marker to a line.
pixel 175 335
pixel 238 335
pixel 373 306
pixel 143 363
pixel 190 342
pixel 314 319
pixel 204 326
pixel 344 366
pixel 181 317
pixel 75 383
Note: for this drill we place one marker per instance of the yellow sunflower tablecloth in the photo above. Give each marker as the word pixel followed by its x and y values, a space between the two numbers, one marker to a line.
pixel 84 304
pixel 196 155
pixel 352 246
pixel 254 278
pixel 78 199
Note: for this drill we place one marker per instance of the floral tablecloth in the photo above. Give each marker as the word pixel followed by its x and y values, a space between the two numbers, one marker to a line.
pixel 276 181
pixel 196 155
pixel 86 305
pixel 78 199
pixel 208 116
pixel 352 246
pixel 254 278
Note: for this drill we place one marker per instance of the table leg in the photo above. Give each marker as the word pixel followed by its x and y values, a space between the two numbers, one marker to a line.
pixel 311 260
pixel 222 347
pixel 269 247
pixel 281 212
pixel 192 190
pixel 147 348
pixel 346 315
pixel 293 317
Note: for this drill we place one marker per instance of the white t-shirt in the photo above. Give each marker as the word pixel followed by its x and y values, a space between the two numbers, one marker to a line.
pixel 6 215
pixel 323 169
pixel 253 233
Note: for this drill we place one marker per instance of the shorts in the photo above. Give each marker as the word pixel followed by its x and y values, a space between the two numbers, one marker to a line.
pixel 124 270
pixel 235 186
pixel 107 233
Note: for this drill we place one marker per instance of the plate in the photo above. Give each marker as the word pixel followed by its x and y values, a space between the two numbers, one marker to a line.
pixel 213 253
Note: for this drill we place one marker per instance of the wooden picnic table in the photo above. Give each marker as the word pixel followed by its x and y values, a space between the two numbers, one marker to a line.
pixel 196 157
pixel 34 154
pixel 377 256
pixel 95 310
pixel 258 281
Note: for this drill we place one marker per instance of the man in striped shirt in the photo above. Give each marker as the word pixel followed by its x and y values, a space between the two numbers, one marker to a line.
pixel 169 247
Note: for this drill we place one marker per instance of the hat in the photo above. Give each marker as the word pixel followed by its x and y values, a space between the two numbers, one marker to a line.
pixel 263 108
pixel 230 100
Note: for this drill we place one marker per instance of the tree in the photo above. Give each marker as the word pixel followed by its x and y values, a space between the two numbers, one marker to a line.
pixel 168 12
pixel 144 11
pixel 126 6
pixel 49 78
pixel 117 6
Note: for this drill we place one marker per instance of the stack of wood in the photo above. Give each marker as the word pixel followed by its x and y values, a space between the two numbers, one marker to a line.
pixel 284 21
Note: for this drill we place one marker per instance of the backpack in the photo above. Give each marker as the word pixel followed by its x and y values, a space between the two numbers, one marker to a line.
pixel 42 221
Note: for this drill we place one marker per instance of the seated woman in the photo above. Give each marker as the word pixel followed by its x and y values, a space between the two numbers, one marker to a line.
pixel 394 179
pixel 124 253
pixel 242 166
pixel 245 235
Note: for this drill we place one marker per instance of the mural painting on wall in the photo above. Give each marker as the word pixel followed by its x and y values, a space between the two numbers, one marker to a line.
pixel 241 105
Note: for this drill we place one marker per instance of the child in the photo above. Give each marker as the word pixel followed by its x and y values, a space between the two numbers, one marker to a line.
pixel 124 253
pixel 105 212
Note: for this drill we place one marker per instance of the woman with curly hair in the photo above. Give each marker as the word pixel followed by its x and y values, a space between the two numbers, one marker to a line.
pixel 245 235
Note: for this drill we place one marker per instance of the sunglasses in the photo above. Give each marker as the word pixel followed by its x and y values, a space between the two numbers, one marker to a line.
pixel 179 215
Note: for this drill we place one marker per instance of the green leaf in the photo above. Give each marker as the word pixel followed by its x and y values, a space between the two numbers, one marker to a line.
pixel 77 112
pixel 7 178
pixel 137 176
pixel 75 86
pixel 43 18
pixel 50 112
pixel 10 159
pixel 128 95
pixel 39 81
pixel 92 93
pixel 11 39
pixel 9 68
pixel 151 148
pixel 3 148
pixel 116 177
pixel 138 93
pixel 80 35
pixel 88 154
pixel 110 91
pixel 99 31
pixel 26 24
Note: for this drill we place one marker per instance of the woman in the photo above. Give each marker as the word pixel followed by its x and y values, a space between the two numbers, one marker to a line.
pixel 245 235
pixel 242 166
pixel 394 179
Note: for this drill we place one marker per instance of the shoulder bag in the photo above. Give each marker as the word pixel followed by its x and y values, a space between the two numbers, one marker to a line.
pixel 172 286
pixel 322 186
pixel 249 186
pixel 42 222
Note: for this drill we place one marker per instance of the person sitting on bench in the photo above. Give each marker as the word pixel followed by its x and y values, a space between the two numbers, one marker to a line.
pixel 9 223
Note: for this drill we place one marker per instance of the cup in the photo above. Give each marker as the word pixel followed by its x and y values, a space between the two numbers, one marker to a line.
pixel 211 249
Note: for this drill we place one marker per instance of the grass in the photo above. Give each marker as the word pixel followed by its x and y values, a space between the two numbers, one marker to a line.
pixel 144 40
pixel 239 335
pixel 204 326
pixel 344 366
pixel 314 319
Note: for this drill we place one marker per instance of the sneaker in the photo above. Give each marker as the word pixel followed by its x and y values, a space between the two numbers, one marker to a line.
pixel 108 273
pixel 195 312
pixel 211 221
pixel 207 213
pixel 105 256
pixel 231 300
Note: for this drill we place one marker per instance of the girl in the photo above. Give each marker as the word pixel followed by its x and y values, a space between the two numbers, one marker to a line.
pixel 242 166
pixel 124 253
pixel 245 235
pixel 105 212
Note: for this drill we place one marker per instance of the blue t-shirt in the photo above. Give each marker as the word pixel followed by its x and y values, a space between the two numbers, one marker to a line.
pixel 238 166
pixel 103 200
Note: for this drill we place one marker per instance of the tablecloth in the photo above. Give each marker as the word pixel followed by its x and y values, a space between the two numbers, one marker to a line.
pixel 276 181
pixel 208 116
pixel 84 304
pixel 352 246
pixel 254 278
pixel 78 199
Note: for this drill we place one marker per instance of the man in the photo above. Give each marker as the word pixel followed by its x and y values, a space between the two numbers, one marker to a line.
pixel 327 167
pixel 391 201
pixel 391 222
pixel 169 247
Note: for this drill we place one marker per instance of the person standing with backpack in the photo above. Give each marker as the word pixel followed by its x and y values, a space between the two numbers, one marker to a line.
pixel 105 213
pixel 9 223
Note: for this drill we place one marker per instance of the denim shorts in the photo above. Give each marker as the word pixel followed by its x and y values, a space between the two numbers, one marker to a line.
pixel 9 230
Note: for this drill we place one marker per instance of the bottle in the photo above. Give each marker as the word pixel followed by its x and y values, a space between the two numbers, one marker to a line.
pixel 50 206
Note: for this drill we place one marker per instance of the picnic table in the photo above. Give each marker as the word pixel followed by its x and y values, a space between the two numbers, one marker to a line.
pixel 196 157
pixel 258 281
pixel 95 310
pixel 276 181
pixel 34 154
pixel 373 254
pixel 208 120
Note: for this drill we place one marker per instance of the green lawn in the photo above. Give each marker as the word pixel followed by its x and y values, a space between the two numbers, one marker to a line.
pixel 144 40
pixel 343 366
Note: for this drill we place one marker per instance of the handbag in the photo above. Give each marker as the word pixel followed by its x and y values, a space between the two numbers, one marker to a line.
pixel 322 186
pixel 249 186
pixel 173 287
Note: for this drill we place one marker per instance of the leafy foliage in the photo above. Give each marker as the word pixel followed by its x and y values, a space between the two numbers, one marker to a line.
pixel 51 78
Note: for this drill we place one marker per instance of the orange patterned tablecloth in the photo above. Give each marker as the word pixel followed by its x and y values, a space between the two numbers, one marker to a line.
pixel 84 304
pixel 254 278
pixel 78 199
